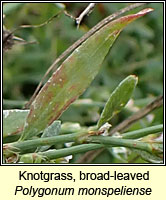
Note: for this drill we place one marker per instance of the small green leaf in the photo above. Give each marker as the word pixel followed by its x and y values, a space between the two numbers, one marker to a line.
pixel 52 130
pixel 118 99
pixel 74 75
pixel 13 121
pixel 152 158
pixel 27 158
pixel 10 7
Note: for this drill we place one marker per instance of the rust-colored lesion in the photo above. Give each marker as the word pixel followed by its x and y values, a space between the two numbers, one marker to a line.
pixel 46 94
pixel 59 77
pixel 134 144
pixel 71 59
pixel 31 111
pixel 34 156
pixel 134 16
pixel 58 113
pixel 20 129
pixel 116 32
pixel 70 101
pixel 53 117
pixel 48 97
pixel 55 108
pixel 73 87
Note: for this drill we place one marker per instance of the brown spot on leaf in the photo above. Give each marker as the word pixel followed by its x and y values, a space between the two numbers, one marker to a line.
pixel 20 129
pixel 31 111
pixel 134 144
pixel 34 156
pixel 117 32
pixel 70 101
pixel 73 87
pixel 58 114
pixel 71 59
pixel 134 16
pixel 48 97
pixel 59 77
pixel 54 110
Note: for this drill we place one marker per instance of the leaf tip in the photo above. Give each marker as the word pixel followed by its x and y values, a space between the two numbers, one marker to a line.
pixel 130 18
pixel 134 77
pixel 145 11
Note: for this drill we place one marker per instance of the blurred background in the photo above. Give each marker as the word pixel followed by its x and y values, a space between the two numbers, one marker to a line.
pixel 138 50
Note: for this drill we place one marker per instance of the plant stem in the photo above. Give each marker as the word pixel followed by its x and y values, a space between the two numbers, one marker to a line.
pixel 27 145
pixel 87 11
pixel 88 103
pixel 142 132
pixel 118 142
pixel 128 135
pixel 13 103
pixel 11 138
pixel 53 154
pixel 158 102
pixel 106 141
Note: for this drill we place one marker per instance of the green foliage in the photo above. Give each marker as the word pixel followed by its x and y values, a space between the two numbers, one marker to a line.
pixel 73 77
pixel 149 157
pixel 118 99
pixel 138 51
pixel 10 7
pixel 52 130
pixel 13 121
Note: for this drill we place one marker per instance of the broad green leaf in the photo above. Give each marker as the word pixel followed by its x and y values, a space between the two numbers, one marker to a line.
pixel 10 7
pixel 52 130
pixel 118 99
pixel 13 121
pixel 74 75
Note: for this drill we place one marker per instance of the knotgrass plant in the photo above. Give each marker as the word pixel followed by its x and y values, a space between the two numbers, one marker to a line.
pixel 30 136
